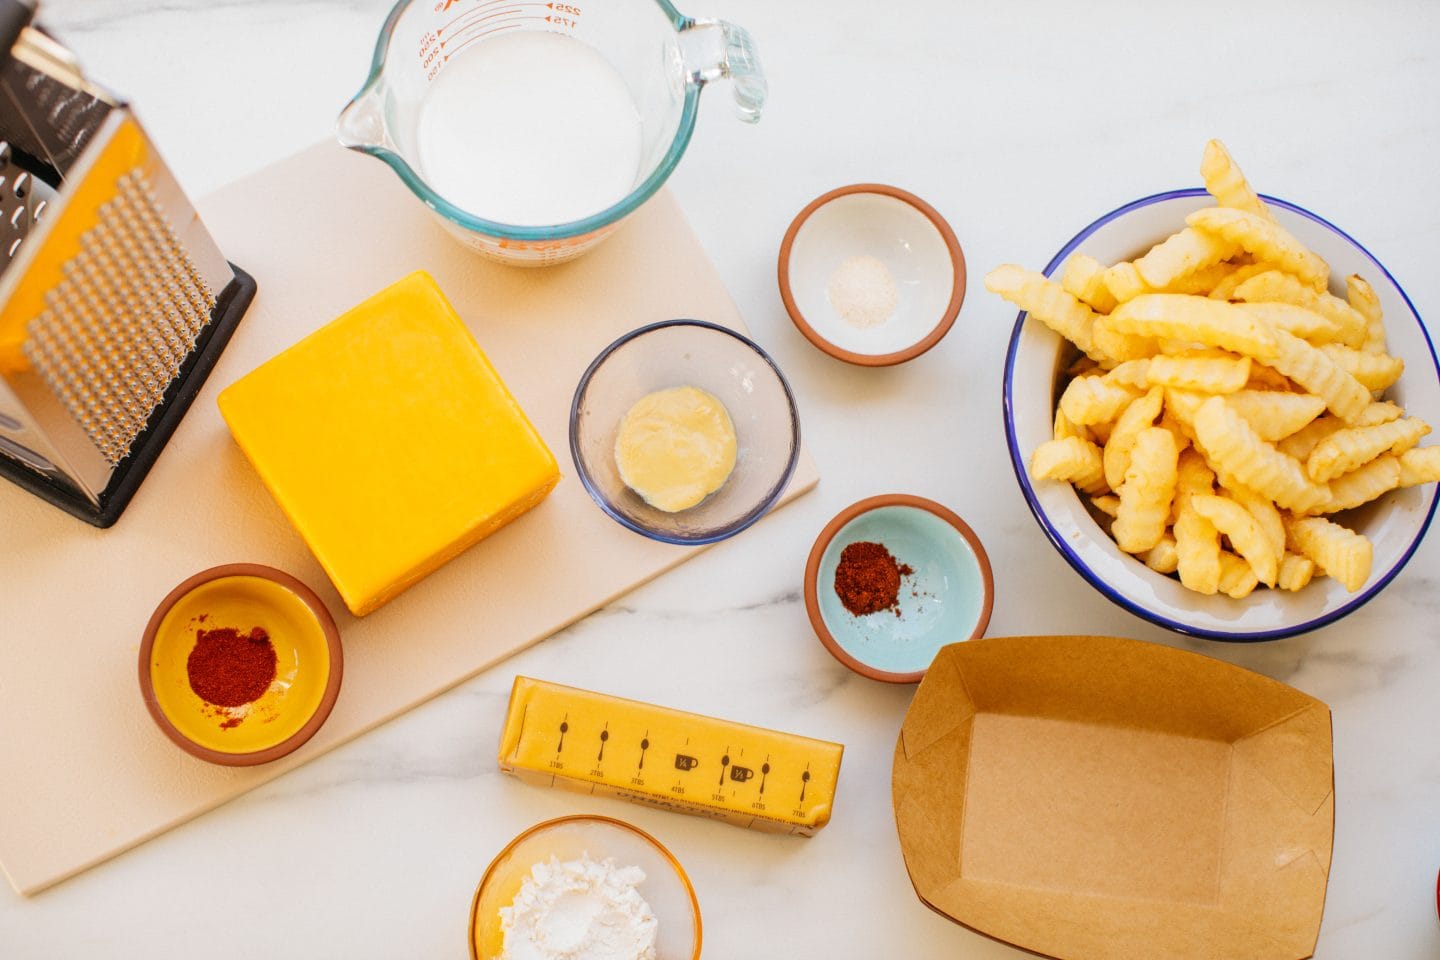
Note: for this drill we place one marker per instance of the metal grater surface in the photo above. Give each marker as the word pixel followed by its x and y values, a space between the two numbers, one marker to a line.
pixel 47 118
pixel 23 199
pixel 117 328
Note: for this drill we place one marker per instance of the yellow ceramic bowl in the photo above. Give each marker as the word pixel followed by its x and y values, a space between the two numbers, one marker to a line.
pixel 666 887
pixel 307 674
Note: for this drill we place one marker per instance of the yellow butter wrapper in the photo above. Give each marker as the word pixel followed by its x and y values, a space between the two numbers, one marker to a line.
pixel 558 736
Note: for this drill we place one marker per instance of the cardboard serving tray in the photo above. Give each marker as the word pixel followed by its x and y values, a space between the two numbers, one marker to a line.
pixel 86 772
pixel 1091 798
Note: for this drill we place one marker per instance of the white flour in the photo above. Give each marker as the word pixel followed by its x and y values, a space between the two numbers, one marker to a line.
pixel 579 910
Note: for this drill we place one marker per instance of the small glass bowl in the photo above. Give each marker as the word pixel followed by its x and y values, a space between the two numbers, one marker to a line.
pixel 725 364
pixel 666 888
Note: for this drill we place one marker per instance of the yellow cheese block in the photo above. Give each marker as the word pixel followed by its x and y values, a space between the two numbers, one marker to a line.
pixel 389 441
pixel 559 736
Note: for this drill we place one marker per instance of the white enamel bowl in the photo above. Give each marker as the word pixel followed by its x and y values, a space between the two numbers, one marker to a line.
pixel 1395 524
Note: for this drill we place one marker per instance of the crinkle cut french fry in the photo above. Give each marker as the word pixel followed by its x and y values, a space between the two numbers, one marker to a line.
pixel 1046 301
pixel 1071 460
pixel 1360 295
pixel 1375 371
pixel 1233 448
pixel 1163 557
pixel 1303 442
pixel 1265 513
pixel 1274 415
pixel 1226 287
pixel 1276 286
pixel 1351 448
pixel 1131 373
pixel 1207 374
pixel 1237 577
pixel 1197 552
pixel 1268 378
pixel 1381 411
pixel 1147 493
pixel 1139 415
pixel 1091 400
pixel 1295 572
pixel 1244 532
pixel 1180 254
pixel 1340 552
pixel 1200 282
pixel 1365 483
pixel 1177 316
pixel 1084 279
pixel 1265 239
pixel 1305 324
pixel 1109 505
pixel 1317 373
pixel 1420 465
pixel 1120 348
pixel 1193 477
pixel 1226 183
pixel 1124 282
pixel 1064 428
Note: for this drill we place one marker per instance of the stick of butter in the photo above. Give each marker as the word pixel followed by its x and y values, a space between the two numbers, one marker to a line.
pixel 560 736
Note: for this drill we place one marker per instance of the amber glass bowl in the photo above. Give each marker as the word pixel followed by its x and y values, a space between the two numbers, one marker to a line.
pixel 666 887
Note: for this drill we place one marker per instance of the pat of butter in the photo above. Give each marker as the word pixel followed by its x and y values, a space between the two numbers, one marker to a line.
pixel 560 736
pixel 389 441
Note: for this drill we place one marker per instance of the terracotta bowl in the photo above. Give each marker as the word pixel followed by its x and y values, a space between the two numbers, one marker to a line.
pixel 947 597
pixel 309 665
pixel 904 233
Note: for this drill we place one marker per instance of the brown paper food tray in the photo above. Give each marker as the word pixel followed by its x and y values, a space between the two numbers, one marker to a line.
pixel 86 772
pixel 1091 798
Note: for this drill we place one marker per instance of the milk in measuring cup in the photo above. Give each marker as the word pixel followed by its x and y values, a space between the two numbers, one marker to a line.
pixel 529 128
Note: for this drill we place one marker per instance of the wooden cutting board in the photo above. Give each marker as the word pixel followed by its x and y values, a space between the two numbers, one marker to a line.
pixel 86 774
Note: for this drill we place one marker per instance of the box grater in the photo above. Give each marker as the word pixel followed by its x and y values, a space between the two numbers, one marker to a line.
pixel 114 300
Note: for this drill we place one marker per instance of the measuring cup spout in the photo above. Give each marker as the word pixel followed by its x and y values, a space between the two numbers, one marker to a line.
pixel 361 125
pixel 715 49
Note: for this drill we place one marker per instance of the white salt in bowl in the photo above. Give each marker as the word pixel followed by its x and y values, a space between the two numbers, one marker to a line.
pixel 666 888
pixel 902 232
pixel 1395 524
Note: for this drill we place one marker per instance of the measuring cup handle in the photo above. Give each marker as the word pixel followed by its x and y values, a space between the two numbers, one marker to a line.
pixel 717 48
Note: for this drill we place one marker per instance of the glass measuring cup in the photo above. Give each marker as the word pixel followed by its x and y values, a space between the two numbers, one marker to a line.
pixel 663 56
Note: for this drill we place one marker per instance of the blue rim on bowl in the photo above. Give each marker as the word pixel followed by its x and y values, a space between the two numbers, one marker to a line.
pixel 1018 460
pixel 709 536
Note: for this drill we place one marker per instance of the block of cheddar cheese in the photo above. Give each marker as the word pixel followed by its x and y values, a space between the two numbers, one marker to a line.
pixel 389 441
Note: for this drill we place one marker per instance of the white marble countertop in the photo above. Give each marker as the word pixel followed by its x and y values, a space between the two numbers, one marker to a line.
pixel 1020 122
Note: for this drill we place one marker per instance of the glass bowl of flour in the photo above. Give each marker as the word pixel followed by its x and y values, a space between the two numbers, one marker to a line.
pixel 585 886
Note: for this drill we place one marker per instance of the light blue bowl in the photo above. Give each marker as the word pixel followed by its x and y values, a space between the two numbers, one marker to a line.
pixel 946 598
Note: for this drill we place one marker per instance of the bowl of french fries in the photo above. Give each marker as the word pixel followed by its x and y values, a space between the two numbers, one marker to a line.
pixel 1218 407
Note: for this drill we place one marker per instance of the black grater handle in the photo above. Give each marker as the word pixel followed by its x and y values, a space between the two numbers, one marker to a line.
pixel 15 16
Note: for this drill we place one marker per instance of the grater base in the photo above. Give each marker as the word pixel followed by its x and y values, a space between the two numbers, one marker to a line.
pixel 230 306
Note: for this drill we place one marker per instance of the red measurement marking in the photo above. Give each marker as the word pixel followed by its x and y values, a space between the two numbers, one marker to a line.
pixel 478 36
pixel 506 15
pixel 480 8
